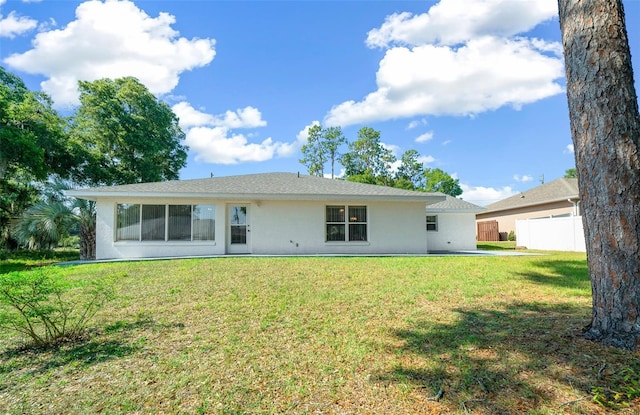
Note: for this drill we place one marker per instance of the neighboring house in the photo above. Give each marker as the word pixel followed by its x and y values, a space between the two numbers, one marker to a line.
pixel 451 225
pixel 558 198
pixel 263 214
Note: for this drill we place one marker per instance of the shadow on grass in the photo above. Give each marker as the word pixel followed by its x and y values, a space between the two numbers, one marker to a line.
pixel 496 246
pixel 560 273
pixel 22 260
pixel 94 348
pixel 39 362
pixel 508 360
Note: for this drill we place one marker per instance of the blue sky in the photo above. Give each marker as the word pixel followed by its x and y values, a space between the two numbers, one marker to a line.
pixel 476 87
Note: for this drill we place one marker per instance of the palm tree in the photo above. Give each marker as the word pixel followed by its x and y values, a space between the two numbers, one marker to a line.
pixel 86 218
pixel 45 223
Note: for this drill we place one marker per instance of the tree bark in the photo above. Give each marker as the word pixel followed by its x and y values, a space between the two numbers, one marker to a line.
pixel 605 128
pixel 87 242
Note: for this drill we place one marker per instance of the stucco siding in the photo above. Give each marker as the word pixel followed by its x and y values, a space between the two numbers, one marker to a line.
pixel 507 218
pixel 456 232
pixel 108 248
pixel 299 228
pixel 276 227
pixel 398 228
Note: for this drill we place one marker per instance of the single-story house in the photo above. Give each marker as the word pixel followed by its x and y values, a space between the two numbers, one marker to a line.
pixel 451 225
pixel 265 214
pixel 558 198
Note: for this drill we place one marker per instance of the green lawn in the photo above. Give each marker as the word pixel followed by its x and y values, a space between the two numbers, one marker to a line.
pixel 388 335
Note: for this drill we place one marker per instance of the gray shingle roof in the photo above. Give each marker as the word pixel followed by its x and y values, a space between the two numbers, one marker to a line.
pixel 453 204
pixel 259 186
pixel 556 190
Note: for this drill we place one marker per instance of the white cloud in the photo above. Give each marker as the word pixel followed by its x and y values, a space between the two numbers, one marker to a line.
pixel 110 40
pixel 416 123
pixel 452 22
pixel 340 175
pixel 423 138
pixel 303 135
pixel 485 74
pixel 14 25
pixel 219 145
pixel 446 142
pixel 426 160
pixel 191 117
pixel 393 168
pixel 395 149
pixel 522 179
pixel 483 196
pixel 460 58
pixel 211 139
pixel 247 117
pixel 569 149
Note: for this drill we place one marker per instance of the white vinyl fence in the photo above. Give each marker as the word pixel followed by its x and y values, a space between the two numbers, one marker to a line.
pixel 551 234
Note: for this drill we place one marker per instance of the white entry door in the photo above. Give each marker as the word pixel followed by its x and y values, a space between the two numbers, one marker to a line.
pixel 239 240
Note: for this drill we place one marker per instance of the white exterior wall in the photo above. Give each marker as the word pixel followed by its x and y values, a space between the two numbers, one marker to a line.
pixel 552 234
pixel 276 227
pixel 107 248
pixel 298 227
pixel 456 232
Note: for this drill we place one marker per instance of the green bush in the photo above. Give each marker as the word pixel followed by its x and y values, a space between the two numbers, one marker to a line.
pixel 48 308
pixel 71 241
pixel 511 236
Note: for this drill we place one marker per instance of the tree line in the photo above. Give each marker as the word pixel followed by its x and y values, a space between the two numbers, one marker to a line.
pixel 369 161
pixel 120 133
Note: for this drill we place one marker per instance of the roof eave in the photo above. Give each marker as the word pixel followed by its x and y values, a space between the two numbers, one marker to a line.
pixel 576 197
pixel 93 195
pixel 445 210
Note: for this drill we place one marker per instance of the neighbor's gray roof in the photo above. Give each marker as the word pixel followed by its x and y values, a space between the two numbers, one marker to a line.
pixel 453 204
pixel 260 186
pixel 554 191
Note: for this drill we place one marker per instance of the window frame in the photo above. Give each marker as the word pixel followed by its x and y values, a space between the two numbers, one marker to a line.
pixel 195 234
pixel 347 221
pixel 433 223
pixel 177 233
pixel 138 223
pixel 149 231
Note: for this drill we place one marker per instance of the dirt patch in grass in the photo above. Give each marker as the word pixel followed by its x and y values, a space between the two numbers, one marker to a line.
pixel 472 335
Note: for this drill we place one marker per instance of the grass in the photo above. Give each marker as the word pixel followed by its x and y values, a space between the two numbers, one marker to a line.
pixel 24 260
pixel 395 335
pixel 497 246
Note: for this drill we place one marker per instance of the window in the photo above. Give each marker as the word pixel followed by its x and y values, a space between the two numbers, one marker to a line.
pixel 357 223
pixel 351 226
pixel 135 222
pixel 432 223
pixel 179 223
pixel 128 222
pixel 204 222
pixel 238 215
pixel 335 223
pixel 153 222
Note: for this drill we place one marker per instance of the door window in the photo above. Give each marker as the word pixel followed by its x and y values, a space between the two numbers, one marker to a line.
pixel 238 218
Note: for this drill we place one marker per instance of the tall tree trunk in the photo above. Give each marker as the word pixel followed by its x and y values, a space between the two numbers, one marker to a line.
pixel 605 127
pixel 87 241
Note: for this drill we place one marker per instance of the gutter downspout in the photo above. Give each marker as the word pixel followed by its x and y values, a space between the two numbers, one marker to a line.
pixel 576 206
